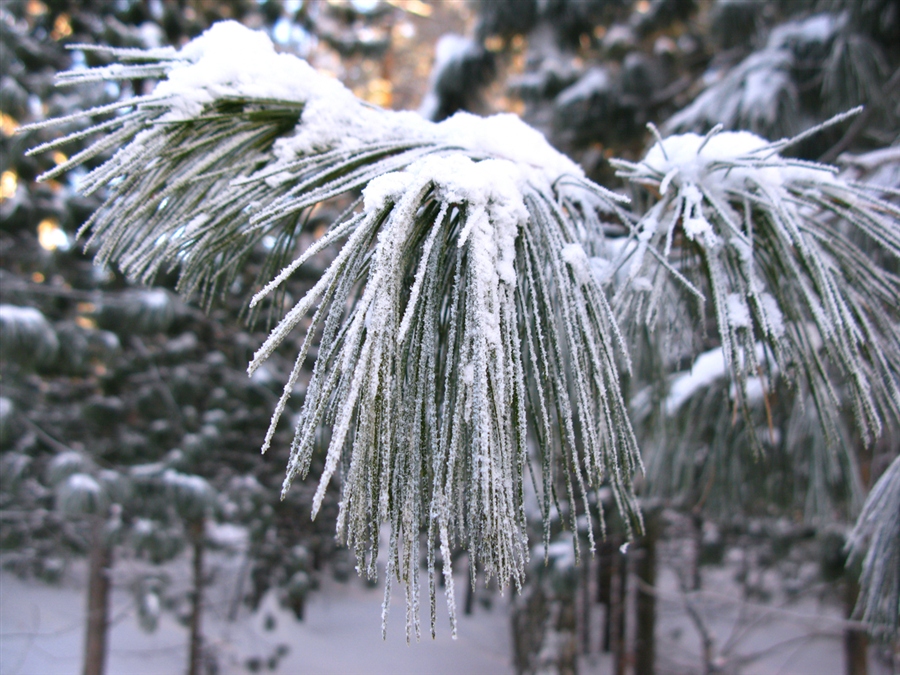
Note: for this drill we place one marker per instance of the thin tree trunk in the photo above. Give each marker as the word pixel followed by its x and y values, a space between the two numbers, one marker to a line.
pixel 856 643
pixel 196 640
pixel 617 604
pixel 586 605
pixel 697 532
pixel 645 638
pixel 470 589
pixel 99 584
pixel 604 589
pixel 238 596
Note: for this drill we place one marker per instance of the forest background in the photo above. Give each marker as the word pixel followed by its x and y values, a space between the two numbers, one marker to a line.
pixel 128 424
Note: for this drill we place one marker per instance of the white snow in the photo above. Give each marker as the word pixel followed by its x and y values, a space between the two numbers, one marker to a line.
pixel 186 482
pixel 42 629
pixel 82 482
pixel 593 81
pixel 227 535
pixel 67 460
pixel 772 313
pixel 155 298
pixel 450 47
pixel 386 188
pixel 687 154
pixel 738 312
pixel 229 61
pixel 817 28
pixel 720 166
pixel 708 368
pixel 491 191
pixel 577 259
pixel 24 316
pixel 748 96
pixel 508 137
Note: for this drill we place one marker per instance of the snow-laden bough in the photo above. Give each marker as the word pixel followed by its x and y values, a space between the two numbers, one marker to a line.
pixel 786 252
pixel 454 321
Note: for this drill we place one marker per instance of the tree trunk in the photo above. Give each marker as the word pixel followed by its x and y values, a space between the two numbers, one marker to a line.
pixel 856 643
pixel 586 605
pixel 645 638
pixel 470 589
pixel 697 533
pixel 617 609
pixel 196 641
pixel 604 588
pixel 99 585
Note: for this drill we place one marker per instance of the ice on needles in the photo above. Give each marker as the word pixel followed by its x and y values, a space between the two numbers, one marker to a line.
pixel 454 320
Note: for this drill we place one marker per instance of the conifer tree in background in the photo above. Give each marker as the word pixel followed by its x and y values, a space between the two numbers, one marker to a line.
pixel 108 390
pixel 485 298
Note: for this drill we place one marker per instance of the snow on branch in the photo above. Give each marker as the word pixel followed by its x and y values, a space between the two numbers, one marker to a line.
pixel 877 537
pixel 760 93
pixel 455 319
pixel 787 255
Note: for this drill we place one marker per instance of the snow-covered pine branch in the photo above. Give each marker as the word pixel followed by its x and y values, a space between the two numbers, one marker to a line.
pixel 765 92
pixel 877 537
pixel 784 253
pixel 458 316
pixel 697 452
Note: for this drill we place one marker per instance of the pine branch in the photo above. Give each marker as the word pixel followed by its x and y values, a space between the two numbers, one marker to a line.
pixel 788 257
pixel 458 315
pixel 876 539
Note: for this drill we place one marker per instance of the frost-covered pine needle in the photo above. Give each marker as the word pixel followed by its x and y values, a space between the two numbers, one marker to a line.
pixel 877 534
pixel 457 317
pixel 787 256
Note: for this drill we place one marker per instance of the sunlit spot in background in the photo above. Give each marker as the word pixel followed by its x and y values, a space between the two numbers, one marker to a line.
pixel 51 236
pixel 8 124
pixel 61 27
pixel 416 7
pixel 35 8
pixel 9 182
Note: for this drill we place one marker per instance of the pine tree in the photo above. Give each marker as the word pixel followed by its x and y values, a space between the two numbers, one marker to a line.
pixel 476 297
pixel 118 385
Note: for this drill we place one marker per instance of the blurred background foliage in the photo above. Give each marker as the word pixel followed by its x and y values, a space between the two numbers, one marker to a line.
pixel 127 421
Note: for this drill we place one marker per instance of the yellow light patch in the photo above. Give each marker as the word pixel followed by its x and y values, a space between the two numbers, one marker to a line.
pixel 416 7
pixel 643 6
pixel 51 236
pixel 61 27
pixel 38 278
pixel 494 43
pixel 85 322
pixel 35 8
pixel 380 92
pixel 9 183
pixel 8 124
pixel 60 157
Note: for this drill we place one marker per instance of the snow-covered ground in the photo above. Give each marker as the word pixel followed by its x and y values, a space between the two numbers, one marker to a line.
pixel 41 633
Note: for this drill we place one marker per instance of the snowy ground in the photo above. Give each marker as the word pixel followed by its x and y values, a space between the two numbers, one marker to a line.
pixel 41 633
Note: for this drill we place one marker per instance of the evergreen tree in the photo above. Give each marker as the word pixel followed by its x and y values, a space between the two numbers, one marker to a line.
pixel 484 292
pixel 109 390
